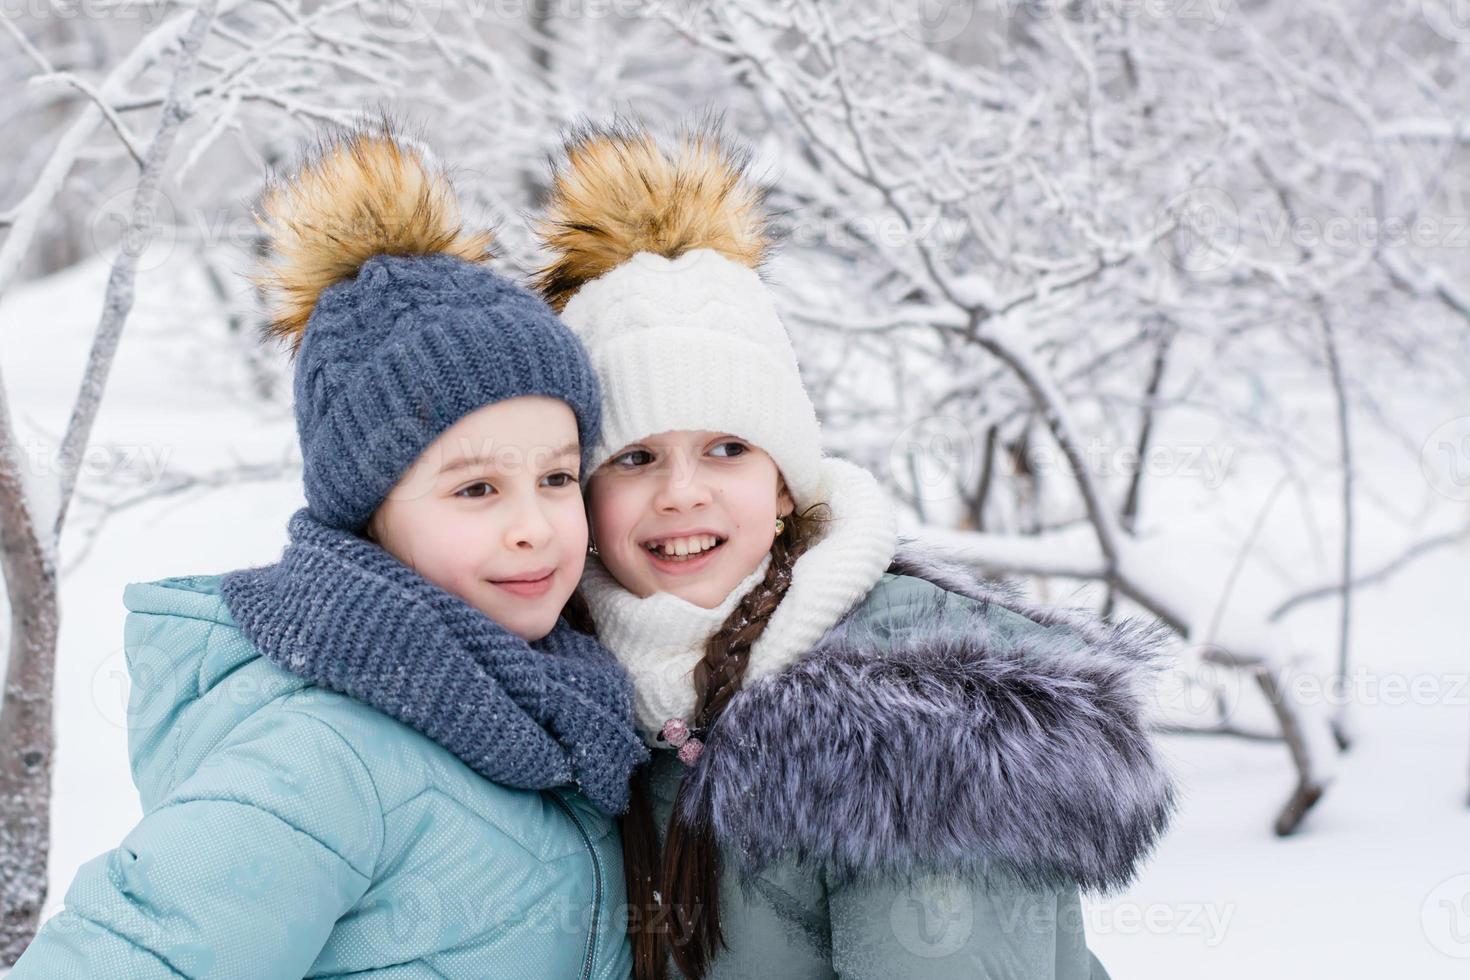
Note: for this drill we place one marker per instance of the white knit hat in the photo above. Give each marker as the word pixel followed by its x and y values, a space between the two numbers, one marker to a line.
pixel 655 259
pixel 695 343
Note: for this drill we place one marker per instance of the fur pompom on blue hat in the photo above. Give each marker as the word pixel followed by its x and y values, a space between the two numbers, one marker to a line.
pixel 398 326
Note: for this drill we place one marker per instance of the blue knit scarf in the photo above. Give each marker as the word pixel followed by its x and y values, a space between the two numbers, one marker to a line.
pixel 345 614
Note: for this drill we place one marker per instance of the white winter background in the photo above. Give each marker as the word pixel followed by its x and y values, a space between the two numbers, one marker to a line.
pixel 191 466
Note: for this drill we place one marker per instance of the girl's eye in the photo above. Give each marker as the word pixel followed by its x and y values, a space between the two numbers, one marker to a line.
pixel 633 457
pixel 735 449
pixel 465 491
pixel 558 480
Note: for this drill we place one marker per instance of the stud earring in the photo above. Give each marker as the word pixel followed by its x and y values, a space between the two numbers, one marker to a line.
pixel 780 526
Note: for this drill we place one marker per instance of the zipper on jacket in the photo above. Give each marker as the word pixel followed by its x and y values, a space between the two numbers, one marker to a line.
pixel 596 881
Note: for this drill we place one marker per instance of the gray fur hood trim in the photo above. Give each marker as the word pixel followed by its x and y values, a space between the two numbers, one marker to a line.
pixel 946 734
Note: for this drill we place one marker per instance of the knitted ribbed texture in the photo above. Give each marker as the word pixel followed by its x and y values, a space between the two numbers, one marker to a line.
pixel 659 638
pixel 834 575
pixel 695 343
pixel 395 356
pixel 345 614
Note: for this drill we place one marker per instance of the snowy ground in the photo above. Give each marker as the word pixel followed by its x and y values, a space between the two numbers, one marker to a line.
pixel 1377 884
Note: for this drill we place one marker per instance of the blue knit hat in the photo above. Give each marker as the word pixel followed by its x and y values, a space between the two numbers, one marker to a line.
pixel 398 327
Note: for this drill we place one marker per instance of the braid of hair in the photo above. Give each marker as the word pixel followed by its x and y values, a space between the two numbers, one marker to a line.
pixel 720 672
pixel 691 861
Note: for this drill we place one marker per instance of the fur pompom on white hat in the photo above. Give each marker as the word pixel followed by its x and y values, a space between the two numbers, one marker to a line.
pixel 655 259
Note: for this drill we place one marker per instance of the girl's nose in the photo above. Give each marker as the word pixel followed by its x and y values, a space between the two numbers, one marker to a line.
pixel 684 487
pixel 529 528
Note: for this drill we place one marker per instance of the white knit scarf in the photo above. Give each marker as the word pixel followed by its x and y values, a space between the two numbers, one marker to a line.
pixel 660 638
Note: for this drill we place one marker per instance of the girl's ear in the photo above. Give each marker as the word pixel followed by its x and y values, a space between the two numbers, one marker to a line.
pixel 785 505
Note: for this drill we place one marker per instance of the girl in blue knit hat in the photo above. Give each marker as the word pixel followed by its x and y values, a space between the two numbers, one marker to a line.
pixel 385 755
pixel 868 765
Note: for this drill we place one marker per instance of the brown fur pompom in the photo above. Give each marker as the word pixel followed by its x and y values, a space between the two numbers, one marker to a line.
pixel 617 193
pixel 364 192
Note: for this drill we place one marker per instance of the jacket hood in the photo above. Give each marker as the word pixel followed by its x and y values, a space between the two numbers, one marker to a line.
pixel 946 725
pixel 193 677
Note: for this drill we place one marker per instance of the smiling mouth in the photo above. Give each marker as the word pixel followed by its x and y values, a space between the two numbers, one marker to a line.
pixel 684 549
pixel 526 588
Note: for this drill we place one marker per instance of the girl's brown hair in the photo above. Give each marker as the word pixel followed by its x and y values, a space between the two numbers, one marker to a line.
pixel 684 919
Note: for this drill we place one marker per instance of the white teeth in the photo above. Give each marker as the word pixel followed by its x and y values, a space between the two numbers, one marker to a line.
pixel 686 547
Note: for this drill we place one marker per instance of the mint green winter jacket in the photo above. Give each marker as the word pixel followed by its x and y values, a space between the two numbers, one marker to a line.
pixel 292 832
pixel 927 792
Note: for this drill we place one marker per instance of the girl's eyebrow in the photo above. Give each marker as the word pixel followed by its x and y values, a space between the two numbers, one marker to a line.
pixel 476 459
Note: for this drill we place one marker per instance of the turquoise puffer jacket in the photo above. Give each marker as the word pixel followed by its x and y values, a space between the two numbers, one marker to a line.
pixel 289 831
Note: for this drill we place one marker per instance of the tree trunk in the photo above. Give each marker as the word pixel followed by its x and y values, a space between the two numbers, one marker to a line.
pixel 26 732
